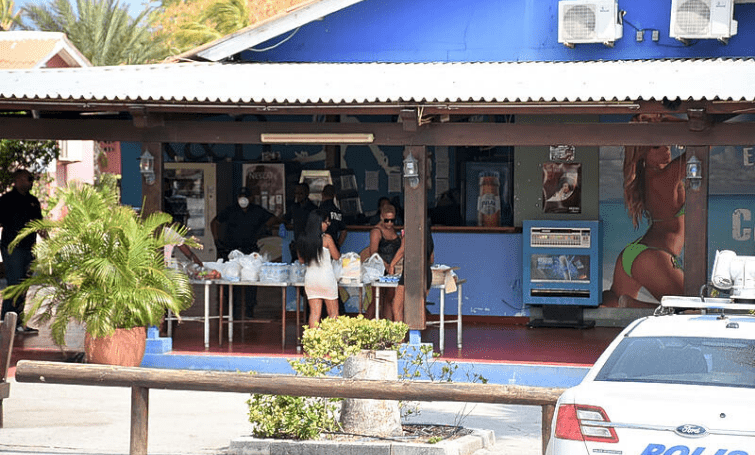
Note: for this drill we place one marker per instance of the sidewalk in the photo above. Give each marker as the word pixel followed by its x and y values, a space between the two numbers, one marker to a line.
pixel 68 419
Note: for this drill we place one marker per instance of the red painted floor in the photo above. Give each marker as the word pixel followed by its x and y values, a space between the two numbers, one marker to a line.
pixel 481 342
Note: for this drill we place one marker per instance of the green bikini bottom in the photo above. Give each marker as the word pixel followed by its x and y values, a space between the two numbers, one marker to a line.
pixel 634 249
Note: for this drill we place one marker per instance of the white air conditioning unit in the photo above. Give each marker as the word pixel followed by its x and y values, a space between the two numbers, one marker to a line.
pixel 71 151
pixel 589 21
pixel 702 19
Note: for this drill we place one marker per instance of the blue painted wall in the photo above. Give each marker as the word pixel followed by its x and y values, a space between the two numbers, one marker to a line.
pixel 491 264
pixel 486 30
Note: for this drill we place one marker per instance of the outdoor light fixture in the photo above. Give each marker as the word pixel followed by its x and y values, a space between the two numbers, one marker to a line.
pixel 411 171
pixel 694 173
pixel 317 138
pixel 147 167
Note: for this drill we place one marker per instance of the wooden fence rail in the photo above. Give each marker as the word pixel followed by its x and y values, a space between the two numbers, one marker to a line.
pixel 140 380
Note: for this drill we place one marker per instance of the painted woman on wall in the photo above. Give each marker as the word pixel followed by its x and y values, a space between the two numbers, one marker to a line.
pixel 653 189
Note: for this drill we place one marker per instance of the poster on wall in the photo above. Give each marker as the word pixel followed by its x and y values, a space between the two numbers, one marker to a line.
pixel 488 191
pixel 643 239
pixel 562 187
pixel 267 182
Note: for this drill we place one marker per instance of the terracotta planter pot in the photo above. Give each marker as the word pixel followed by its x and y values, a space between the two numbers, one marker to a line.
pixel 124 348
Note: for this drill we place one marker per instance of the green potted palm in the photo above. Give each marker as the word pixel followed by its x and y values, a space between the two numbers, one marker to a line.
pixel 102 265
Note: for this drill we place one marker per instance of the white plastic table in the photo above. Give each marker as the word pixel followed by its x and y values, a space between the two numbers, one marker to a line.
pixel 442 321
pixel 229 318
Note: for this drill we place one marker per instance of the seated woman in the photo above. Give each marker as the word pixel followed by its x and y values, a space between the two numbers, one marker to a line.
pixel 386 243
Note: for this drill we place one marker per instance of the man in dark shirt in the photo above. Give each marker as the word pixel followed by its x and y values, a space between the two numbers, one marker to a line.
pixel 17 208
pixel 238 227
pixel 337 228
pixel 297 214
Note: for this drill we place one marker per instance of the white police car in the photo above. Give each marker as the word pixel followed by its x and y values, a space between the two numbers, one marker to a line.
pixel 669 384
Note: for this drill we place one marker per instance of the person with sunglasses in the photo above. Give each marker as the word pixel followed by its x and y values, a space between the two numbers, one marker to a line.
pixel 386 243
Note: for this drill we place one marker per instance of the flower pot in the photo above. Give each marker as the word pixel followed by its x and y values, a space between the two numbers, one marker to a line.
pixel 124 348
pixel 379 418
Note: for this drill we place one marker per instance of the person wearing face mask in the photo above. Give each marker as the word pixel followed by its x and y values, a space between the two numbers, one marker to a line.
pixel 238 227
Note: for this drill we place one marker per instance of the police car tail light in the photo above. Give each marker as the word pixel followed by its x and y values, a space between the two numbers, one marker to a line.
pixel 584 423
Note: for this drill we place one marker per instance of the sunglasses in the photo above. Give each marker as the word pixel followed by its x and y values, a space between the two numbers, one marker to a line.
pixel 389 220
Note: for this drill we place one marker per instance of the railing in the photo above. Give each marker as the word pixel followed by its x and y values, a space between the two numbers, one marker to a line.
pixel 142 379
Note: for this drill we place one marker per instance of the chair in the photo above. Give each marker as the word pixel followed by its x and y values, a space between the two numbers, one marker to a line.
pixel 7 334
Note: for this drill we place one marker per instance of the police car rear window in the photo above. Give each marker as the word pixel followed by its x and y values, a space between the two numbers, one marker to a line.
pixel 682 360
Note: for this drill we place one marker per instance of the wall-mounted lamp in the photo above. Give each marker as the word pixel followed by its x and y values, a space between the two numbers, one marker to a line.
pixel 147 167
pixel 411 171
pixel 317 138
pixel 694 173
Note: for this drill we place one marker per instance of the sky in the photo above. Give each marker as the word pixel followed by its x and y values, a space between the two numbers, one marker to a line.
pixel 134 6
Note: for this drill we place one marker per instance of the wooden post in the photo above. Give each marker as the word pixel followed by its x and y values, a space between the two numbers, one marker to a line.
pixel 696 227
pixel 415 250
pixel 547 411
pixel 152 194
pixel 139 420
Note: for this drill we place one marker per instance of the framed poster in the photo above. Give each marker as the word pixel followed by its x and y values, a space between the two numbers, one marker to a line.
pixel 267 182
pixel 562 187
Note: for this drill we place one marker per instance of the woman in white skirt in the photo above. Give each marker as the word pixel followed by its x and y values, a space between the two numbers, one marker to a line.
pixel 316 249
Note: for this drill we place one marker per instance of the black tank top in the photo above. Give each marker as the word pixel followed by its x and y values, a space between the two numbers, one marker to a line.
pixel 387 248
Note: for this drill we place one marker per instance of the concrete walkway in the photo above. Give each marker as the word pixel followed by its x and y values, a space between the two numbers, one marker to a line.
pixel 68 419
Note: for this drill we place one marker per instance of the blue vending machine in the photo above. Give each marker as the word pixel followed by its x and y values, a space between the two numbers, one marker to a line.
pixel 562 270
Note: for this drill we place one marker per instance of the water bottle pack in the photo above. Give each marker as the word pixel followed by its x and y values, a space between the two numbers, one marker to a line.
pixel 274 272
pixel 297 270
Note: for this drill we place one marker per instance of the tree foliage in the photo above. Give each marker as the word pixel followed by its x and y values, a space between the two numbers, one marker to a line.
pixel 35 156
pixel 10 18
pixel 186 24
pixel 102 30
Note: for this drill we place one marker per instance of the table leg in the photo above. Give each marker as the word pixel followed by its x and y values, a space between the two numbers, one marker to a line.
pixel 458 319
pixel 283 317
pixel 230 313
pixel 206 319
pixel 442 320
pixel 376 291
pixel 298 323
pixel 221 295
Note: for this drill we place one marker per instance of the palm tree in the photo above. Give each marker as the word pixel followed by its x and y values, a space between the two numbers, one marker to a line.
pixel 9 19
pixel 221 18
pixel 101 29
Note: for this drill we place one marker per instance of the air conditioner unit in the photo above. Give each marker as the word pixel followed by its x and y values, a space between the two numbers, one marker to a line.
pixel 702 19
pixel 71 151
pixel 593 21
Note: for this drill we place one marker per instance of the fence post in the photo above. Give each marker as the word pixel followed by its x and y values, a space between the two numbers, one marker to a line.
pixel 545 425
pixel 139 420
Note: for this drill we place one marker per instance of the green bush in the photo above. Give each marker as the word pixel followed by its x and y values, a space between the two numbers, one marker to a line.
pixel 326 348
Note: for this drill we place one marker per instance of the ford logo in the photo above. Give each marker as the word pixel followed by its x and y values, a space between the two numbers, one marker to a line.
pixel 691 431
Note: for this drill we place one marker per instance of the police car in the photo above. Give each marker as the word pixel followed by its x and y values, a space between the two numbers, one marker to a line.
pixel 680 382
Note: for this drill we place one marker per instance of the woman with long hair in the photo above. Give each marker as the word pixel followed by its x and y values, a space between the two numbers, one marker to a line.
pixel 653 189
pixel 315 248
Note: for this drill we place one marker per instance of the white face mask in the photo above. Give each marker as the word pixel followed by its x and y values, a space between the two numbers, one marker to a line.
pixel 243 202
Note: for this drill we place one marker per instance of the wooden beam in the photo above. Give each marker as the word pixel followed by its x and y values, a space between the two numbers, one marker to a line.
pixel 696 227
pixel 46 107
pixel 435 134
pixel 332 387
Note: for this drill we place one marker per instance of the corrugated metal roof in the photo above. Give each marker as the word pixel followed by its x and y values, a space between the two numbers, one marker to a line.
pixel 378 83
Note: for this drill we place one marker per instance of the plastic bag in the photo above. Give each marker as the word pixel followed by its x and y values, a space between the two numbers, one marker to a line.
pixel 350 266
pixel 373 268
